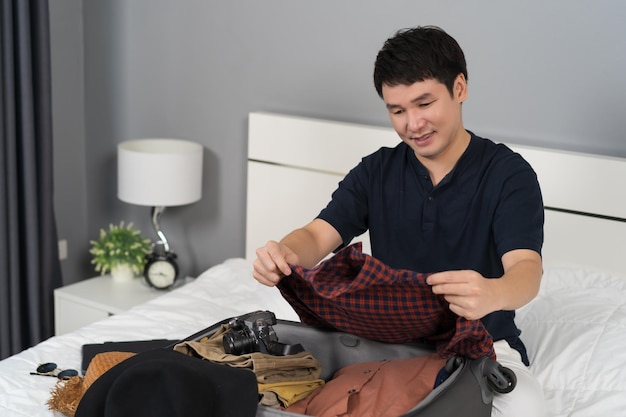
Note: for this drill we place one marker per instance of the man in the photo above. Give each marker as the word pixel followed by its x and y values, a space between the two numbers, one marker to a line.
pixel 444 201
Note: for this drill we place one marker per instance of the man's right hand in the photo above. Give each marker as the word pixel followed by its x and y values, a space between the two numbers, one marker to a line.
pixel 304 247
pixel 272 263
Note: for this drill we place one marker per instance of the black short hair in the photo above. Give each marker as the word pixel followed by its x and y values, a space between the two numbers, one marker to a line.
pixel 419 54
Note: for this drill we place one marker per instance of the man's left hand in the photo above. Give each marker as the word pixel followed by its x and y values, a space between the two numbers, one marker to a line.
pixel 469 294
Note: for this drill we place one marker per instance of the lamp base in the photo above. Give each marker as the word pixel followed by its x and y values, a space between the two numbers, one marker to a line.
pixel 156 213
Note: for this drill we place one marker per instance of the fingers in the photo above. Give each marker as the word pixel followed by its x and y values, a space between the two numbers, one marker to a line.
pixel 463 283
pixel 464 291
pixel 271 264
pixel 464 307
pixel 449 277
pixel 446 283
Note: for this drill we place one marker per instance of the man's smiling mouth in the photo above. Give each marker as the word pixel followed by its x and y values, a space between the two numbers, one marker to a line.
pixel 422 138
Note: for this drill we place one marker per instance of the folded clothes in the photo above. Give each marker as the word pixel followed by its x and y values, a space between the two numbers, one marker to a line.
pixel 284 394
pixel 386 388
pixel 282 380
pixel 267 368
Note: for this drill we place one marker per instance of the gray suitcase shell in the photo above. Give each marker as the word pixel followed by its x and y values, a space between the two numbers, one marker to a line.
pixel 468 391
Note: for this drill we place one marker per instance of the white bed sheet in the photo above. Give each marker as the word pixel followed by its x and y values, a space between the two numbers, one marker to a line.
pixel 575 331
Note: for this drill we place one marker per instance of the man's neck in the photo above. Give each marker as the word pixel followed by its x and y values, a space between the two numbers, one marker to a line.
pixel 443 163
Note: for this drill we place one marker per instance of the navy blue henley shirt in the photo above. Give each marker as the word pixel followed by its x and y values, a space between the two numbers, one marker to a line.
pixel 489 204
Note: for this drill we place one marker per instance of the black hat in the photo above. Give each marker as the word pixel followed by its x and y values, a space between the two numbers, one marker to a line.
pixel 163 382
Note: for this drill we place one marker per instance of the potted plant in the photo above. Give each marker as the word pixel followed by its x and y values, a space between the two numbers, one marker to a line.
pixel 121 250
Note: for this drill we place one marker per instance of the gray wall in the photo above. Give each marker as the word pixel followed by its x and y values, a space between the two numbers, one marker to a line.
pixel 546 73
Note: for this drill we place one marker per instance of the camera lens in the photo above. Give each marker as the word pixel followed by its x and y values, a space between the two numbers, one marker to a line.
pixel 240 341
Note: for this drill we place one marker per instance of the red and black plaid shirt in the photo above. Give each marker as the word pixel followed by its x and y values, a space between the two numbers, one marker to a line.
pixel 355 293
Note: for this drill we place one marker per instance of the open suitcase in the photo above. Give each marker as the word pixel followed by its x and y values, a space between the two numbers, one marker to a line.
pixel 468 390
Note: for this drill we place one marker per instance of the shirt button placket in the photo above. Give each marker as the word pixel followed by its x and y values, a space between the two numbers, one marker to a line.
pixel 428 219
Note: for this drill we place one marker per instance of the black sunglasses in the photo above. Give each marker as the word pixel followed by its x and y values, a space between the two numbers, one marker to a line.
pixel 51 369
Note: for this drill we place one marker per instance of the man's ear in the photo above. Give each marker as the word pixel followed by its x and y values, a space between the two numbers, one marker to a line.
pixel 460 88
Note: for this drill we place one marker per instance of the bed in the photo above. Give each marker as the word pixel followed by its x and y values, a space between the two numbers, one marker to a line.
pixel 574 330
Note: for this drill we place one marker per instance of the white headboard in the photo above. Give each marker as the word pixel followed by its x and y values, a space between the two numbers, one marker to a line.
pixel 295 163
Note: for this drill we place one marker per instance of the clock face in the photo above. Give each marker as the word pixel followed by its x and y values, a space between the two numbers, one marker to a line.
pixel 161 274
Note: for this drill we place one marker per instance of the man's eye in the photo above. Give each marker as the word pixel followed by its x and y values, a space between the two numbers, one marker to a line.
pixel 397 112
pixel 426 104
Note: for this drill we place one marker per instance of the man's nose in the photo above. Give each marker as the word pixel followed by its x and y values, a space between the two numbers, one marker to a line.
pixel 415 120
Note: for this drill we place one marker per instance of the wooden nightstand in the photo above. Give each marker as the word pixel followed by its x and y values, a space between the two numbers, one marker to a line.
pixel 87 301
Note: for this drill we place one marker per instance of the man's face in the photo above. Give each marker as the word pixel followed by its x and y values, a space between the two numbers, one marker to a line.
pixel 426 116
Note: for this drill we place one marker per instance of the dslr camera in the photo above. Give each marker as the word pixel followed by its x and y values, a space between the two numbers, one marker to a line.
pixel 254 333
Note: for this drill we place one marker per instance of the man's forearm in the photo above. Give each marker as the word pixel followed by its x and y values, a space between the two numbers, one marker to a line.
pixel 521 280
pixel 312 242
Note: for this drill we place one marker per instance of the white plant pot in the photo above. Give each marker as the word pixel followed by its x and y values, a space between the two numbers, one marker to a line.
pixel 122 273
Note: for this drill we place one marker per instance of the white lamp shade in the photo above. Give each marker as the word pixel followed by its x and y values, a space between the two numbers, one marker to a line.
pixel 159 172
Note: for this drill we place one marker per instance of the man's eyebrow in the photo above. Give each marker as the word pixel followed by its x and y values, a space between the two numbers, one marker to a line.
pixel 421 97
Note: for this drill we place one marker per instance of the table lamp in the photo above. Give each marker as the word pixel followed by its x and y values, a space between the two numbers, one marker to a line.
pixel 159 173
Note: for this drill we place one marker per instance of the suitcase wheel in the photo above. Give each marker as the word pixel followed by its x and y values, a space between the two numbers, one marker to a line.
pixel 501 379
